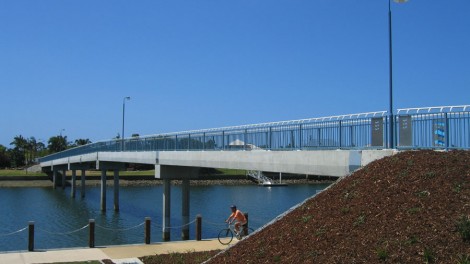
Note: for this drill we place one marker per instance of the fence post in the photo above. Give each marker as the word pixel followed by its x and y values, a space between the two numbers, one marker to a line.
pixel 31 236
pixel 147 230
pixel 91 241
pixel 198 227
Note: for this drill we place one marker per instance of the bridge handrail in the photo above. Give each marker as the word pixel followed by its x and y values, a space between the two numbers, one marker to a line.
pixel 353 131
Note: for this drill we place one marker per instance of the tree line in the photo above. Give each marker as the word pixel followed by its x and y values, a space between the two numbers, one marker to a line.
pixel 25 151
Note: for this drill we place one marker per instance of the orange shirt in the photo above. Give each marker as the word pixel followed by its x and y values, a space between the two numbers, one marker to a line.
pixel 238 215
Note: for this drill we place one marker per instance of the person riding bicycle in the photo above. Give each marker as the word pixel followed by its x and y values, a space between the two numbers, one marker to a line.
pixel 237 216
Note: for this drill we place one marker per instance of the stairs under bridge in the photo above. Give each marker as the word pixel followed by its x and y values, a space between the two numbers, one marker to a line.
pixel 259 177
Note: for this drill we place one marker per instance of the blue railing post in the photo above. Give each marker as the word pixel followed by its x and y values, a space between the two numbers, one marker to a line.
pixel 340 134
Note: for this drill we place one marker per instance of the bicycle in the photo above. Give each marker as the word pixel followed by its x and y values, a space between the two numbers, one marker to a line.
pixel 226 235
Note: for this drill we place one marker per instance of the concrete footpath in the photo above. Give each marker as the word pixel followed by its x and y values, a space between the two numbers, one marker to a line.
pixel 118 254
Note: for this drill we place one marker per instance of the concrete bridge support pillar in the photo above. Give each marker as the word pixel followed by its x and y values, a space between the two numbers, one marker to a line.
pixel 82 188
pixel 105 166
pixel 116 190
pixel 103 190
pixel 168 173
pixel 54 179
pixel 185 209
pixel 74 184
pixel 63 178
pixel 166 209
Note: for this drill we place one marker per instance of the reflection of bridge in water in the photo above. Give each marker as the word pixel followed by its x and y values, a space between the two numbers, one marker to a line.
pixel 329 146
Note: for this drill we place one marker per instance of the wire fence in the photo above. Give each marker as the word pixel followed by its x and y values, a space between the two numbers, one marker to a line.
pixel 14 232
pixel 92 227
pixel 446 127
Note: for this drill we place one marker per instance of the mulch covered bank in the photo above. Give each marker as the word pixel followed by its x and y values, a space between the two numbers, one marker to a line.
pixel 412 207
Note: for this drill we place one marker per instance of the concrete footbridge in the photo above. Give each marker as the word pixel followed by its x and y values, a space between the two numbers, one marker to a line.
pixel 328 146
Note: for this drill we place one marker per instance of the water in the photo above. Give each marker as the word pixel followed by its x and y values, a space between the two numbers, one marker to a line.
pixel 60 221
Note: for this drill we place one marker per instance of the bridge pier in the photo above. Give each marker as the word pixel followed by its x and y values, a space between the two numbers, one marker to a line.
pixel 103 191
pixel 116 190
pixel 54 179
pixel 74 184
pixel 166 209
pixel 168 173
pixel 64 173
pixel 185 209
pixel 104 167
pixel 82 187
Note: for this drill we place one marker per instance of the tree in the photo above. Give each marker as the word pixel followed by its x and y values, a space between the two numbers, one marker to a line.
pixel 4 157
pixel 19 151
pixel 34 147
pixel 57 144
pixel 81 142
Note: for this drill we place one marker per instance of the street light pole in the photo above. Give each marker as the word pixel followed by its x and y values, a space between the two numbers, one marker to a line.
pixel 123 113
pixel 391 118
pixel 390 109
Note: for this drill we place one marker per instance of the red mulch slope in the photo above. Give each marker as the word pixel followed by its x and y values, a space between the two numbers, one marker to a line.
pixel 400 209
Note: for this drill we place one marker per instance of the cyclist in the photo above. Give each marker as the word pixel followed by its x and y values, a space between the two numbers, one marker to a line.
pixel 237 216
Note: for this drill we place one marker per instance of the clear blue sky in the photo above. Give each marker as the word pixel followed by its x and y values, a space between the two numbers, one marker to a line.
pixel 211 63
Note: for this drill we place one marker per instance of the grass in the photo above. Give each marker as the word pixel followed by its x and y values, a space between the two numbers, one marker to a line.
pixel 80 262
pixel 13 173
pixel 20 173
pixel 463 227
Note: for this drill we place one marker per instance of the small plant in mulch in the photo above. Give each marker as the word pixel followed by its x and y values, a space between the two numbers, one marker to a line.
pixel 305 219
pixel 414 210
pixel 430 174
pixel 463 259
pixel 463 227
pixel 423 194
pixel 360 220
pixel 320 231
pixel 412 240
pixel 458 187
pixel 382 254
pixel 428 256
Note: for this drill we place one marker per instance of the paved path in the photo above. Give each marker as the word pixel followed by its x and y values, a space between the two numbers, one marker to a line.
pixel 119 254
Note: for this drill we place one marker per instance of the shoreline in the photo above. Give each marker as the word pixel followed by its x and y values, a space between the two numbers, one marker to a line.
pixel 8 182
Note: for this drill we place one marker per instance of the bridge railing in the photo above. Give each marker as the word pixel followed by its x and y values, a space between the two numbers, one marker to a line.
pixel 432 127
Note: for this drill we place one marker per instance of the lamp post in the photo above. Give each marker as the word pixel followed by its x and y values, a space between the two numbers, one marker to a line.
pixel 391 143
pixel 123 112
pixel 62 130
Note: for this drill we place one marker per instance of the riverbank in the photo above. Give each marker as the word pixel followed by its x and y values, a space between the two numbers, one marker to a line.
pixel 42 181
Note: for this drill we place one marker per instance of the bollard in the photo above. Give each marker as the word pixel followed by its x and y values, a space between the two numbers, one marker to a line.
pixel 198 227
pixel 31 236
pixel 147 230
pixel 91 241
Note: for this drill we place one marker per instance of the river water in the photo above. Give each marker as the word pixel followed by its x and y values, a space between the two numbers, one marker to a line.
pixel 60 221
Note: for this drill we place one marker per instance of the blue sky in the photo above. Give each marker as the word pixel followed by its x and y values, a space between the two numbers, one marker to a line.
pixel 206 63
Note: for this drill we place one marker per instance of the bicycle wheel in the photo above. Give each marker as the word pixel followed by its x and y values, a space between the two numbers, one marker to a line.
pixel 225 236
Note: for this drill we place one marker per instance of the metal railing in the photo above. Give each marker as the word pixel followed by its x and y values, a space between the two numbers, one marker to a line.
pixel 445 127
